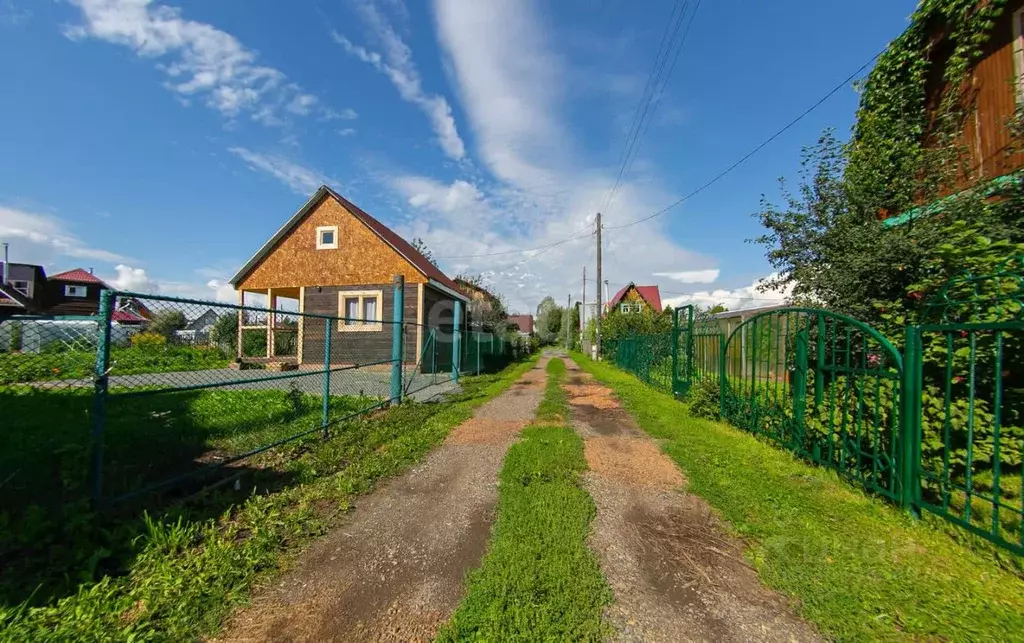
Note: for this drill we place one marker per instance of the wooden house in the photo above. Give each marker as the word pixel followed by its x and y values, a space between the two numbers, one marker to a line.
pixel 334 259
pixel 992 93
pixel 634 299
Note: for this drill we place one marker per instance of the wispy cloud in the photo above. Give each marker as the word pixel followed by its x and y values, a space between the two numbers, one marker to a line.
pixel 691 276
pixel 299 178
pixel 396 63
pixel 348 131
pixel 44 239
pixel 200 60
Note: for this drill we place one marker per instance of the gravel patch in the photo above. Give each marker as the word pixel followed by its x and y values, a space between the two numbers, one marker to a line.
pixel 675 573
pixel 394 569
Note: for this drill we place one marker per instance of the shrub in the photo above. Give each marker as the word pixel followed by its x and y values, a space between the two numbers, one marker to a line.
pixel 703 399
pixel 148 340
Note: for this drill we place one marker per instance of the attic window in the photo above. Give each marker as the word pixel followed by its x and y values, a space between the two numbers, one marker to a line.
pixel 75 291
pixel 327 237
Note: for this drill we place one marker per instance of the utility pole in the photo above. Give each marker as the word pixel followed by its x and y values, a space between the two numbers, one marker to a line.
pixel 583 308
pixel 600 303
pixel 568 322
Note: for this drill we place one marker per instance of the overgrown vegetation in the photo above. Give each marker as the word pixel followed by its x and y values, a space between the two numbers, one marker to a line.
pixel 860 569
pixel 144 356
pixel 538 582
pixel 173 574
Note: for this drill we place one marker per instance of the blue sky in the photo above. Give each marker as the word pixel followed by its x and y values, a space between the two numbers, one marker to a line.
pixel 163 142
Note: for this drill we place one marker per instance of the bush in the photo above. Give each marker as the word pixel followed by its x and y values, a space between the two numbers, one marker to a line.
pixel 703 399
pixel 148 340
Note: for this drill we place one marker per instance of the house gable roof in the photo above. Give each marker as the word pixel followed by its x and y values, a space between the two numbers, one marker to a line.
pixel 388 236
pixel 649 294
pixel 78 276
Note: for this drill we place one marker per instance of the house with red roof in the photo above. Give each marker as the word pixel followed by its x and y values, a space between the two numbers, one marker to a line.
pixel 26 288
pixel 634 299
pixel 334 259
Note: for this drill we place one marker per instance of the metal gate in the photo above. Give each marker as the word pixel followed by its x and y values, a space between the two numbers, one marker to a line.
pixel 823 385
pixel 697 349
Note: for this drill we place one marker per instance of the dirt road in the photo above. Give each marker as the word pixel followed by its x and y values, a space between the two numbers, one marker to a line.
pixel 394 569
pixel 675 573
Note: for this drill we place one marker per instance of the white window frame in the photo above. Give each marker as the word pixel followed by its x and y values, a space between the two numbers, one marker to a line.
pixel 1018 53
pixel 363 325
pixel 320 230
pixel 624 307
pixel 71 290
pixel 28 286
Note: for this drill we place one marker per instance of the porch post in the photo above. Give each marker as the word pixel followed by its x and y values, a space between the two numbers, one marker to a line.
pixel 396 339
pixel 241 322
pixel 270 322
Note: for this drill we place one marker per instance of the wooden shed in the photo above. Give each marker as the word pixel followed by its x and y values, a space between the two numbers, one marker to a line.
pixel 334 259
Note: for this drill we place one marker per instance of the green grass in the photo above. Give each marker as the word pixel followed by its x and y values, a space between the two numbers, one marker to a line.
pixel 179 571
pixel 538 582
pixel 859 568
pixel 81 364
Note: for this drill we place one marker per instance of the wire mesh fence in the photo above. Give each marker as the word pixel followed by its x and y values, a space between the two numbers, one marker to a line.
pixel 188 393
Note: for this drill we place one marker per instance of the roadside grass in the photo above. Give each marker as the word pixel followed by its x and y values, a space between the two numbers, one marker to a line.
pixel 181 570
pixel 538 581
pixel 64 364
pixel 858 568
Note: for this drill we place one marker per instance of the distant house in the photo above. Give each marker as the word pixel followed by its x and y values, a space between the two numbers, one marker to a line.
pixel 22 288
pixel 73 292
pixel 521 323
pixel 204 322
pixel 482 303
pixel 336 260
pixel 634 299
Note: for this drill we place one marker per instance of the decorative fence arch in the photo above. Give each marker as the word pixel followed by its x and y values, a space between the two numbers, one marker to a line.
pixel 823 385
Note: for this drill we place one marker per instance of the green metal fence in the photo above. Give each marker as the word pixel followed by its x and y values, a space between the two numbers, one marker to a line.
pixel 169 395
pixel 933 420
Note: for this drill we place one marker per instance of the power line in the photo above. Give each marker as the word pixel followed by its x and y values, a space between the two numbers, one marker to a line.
pixel 588 229
pixel 652 91
pixel 754 151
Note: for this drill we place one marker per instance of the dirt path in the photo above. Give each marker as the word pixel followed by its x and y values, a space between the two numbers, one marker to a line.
pixel 675 573
pixel 394 570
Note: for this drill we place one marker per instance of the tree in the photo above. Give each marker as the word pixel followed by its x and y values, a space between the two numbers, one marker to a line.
pixel 548 321
pixel 421 246
pixel 488 311
pixel 224 333
pixel 166 322
pixel 716 308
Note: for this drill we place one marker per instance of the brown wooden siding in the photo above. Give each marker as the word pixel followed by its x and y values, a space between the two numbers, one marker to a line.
pixel 360 347
pixel 57 303
pixel 991 93
pixel 361 257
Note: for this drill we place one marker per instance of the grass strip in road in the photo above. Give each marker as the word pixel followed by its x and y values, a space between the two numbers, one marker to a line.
pixel 859 568
pixel 538 582
pixel 190 566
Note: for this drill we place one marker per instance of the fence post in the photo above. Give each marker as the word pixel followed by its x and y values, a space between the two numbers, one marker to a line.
pixel 689 346
pixel 723 381
pixel 457 341
pixel 909 419
pixel 676 388
pixel 478 358
pixel 327 375
pixel 396 339
pixel 100 391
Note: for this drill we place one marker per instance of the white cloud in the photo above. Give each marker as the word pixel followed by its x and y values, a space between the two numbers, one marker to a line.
pixel 691 276
pixel 44 239
pixel 348 131
pixel 347 114
pixel 198 59
pixel 300 179
pixel 396 63
pixel 133 279
pixel 742 298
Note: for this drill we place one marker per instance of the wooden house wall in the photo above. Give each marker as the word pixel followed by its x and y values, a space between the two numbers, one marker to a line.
pixel 57 303
pixel 356 347
pixel 991 97
pixel 360 258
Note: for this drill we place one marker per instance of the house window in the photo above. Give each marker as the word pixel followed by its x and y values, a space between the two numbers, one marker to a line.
pixel 75 291
pixel 24 287
pixel 1018 53
pixel 624 308
pixel 361 310
pixel 327 237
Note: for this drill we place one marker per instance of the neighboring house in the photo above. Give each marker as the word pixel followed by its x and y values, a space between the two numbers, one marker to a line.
pixel 73 292
pixel 521 323
pixel 634 299
pixel 203 323
pixel 484 308
pixel 22 288
pixel 994 89
pixel 131 312
pixel 337 260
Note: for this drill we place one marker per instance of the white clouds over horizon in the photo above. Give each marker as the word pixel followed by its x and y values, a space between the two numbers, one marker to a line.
pixel 198 59
pixel 742 298
pixel 45 238
pixel 691 276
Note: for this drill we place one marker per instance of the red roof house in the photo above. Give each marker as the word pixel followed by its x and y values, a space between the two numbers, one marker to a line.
pixel 633 298
pixel 523 322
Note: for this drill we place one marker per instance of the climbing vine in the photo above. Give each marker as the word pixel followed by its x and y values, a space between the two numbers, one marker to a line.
pixel 902 147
